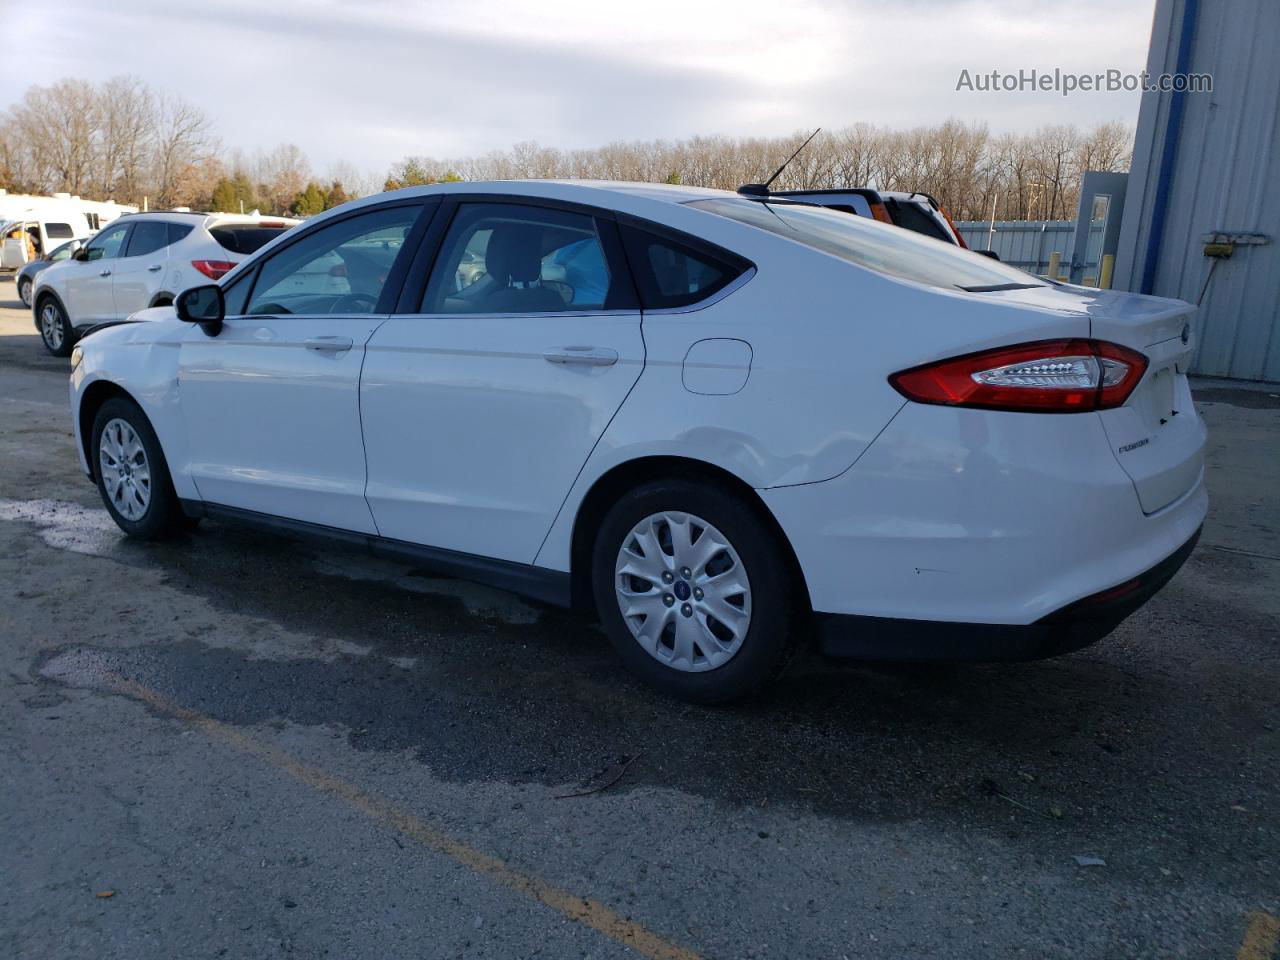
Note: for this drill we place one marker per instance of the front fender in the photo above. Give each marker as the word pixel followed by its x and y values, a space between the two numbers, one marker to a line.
pixel 139 360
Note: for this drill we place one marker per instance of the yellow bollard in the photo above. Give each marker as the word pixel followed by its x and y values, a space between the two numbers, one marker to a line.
pixel 1055 259
pixel 1108 265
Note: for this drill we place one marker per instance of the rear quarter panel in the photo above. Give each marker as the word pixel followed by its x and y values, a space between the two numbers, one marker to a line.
pixel 824 335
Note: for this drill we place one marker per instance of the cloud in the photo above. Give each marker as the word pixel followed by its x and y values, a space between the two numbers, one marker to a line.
pixel 372 81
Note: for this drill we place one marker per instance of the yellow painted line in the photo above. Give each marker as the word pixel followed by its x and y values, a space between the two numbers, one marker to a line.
pixel 583 910
pixel 1260 937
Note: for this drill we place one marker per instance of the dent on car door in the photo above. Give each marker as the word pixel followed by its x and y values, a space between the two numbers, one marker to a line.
pixel 271 405
pixel 481 406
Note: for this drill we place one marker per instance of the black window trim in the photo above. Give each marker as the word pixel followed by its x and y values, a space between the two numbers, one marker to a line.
pixel 623 298
pixel 391 290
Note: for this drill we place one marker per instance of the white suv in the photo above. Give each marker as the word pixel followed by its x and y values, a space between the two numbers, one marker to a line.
pixel 141 260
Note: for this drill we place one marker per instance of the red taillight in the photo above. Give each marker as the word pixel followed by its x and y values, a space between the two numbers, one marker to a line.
pixel 954 232
pixel 1049 376
pixel 213 269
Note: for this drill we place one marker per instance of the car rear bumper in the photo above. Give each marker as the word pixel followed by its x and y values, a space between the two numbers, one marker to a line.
pixel 975 517
pixel 1074 626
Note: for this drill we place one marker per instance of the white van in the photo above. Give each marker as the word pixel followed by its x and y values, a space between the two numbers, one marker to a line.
pixel 31 235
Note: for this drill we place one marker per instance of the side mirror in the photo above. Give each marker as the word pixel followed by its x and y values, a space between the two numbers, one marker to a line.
pixel 203 305
pixel 988 253
pixel 81 254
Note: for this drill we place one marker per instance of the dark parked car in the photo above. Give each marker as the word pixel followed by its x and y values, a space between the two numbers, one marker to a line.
pixel 27 275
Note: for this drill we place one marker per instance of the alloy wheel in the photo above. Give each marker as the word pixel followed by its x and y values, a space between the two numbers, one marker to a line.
pixel 51 326
pixel 683 591
pixel 126 474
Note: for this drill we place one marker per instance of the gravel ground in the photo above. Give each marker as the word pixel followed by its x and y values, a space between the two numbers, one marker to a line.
pixel 261 747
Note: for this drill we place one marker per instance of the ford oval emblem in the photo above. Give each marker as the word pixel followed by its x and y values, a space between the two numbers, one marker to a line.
pixel 1186 333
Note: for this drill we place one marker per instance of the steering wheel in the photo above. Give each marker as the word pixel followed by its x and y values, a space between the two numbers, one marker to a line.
pixel 352 301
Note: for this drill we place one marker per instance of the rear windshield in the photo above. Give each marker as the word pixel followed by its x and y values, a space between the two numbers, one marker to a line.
pixel 244 237
pixel 876 246
pixel 914 216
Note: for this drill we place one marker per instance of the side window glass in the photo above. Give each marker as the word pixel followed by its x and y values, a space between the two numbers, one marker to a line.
pixel 510 258
pixel 148 236
pixel 339 268
pixel 670 273
pixel 106 245
pixel 178 230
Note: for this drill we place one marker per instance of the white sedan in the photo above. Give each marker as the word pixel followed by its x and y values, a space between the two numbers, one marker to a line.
pixel 733 425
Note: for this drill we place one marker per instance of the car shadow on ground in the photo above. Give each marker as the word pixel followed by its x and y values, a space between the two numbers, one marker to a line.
pixel 480 698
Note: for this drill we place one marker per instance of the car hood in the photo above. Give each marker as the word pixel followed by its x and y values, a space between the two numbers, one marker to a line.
pixel 1132 319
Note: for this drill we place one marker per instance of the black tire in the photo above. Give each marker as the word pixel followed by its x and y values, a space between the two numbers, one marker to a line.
pixel 777 620
pixel 163 513
pixel 59 339
pixel 24 291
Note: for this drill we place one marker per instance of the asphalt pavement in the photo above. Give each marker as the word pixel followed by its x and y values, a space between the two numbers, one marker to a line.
pixel 241 745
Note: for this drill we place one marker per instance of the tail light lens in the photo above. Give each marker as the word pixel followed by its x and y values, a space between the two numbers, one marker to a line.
pixel 954 232
pixel 213 269
pixel 1049 376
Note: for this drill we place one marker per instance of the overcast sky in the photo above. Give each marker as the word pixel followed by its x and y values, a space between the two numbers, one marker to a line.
pixel 369 81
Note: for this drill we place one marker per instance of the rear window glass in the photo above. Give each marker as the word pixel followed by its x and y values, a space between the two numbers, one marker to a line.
pixel 873 245
pixel 179 230
pixel 58 231
pixel 148 236
pixel 913 216
pixel 244 237
pixel 671 273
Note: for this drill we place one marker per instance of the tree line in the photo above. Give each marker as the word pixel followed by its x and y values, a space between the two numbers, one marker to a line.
pixel 122 140
pixel 973 173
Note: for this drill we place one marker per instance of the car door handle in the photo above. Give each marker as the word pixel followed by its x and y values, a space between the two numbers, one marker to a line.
pixel 585 356
pixel 156 266
pixel 328 344
pixel 105 273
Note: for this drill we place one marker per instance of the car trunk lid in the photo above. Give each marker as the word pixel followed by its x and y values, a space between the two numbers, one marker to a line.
pixel 1156 437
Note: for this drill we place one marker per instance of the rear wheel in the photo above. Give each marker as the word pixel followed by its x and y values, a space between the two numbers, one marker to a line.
pixel 693 590
pixel 133 477
pixel 55 329
pixel 24 291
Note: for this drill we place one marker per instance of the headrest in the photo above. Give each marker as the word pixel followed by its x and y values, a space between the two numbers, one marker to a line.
pixel 512 254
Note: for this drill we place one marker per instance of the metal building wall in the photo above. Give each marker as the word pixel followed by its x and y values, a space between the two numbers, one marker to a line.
pixel 1225 177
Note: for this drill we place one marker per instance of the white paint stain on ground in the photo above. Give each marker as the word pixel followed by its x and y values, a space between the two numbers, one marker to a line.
pixel 67 526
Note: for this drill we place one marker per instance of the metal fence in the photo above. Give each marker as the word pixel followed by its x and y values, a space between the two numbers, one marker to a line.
pixel 1029 243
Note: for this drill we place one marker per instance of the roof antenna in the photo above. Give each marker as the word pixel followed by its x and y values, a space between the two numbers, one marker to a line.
pixel 762 189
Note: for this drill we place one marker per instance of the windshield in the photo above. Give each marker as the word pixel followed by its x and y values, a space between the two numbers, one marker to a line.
pixel 876 246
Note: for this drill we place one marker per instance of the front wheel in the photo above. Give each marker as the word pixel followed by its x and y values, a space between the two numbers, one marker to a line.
pixel 694 592
pixel 132 475
pixel 24 291
pixel 55 329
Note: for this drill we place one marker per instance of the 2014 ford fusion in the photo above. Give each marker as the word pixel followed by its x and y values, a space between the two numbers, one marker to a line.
pixel 732 424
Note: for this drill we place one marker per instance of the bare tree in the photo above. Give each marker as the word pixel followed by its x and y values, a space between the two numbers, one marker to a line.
pixel 184 140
